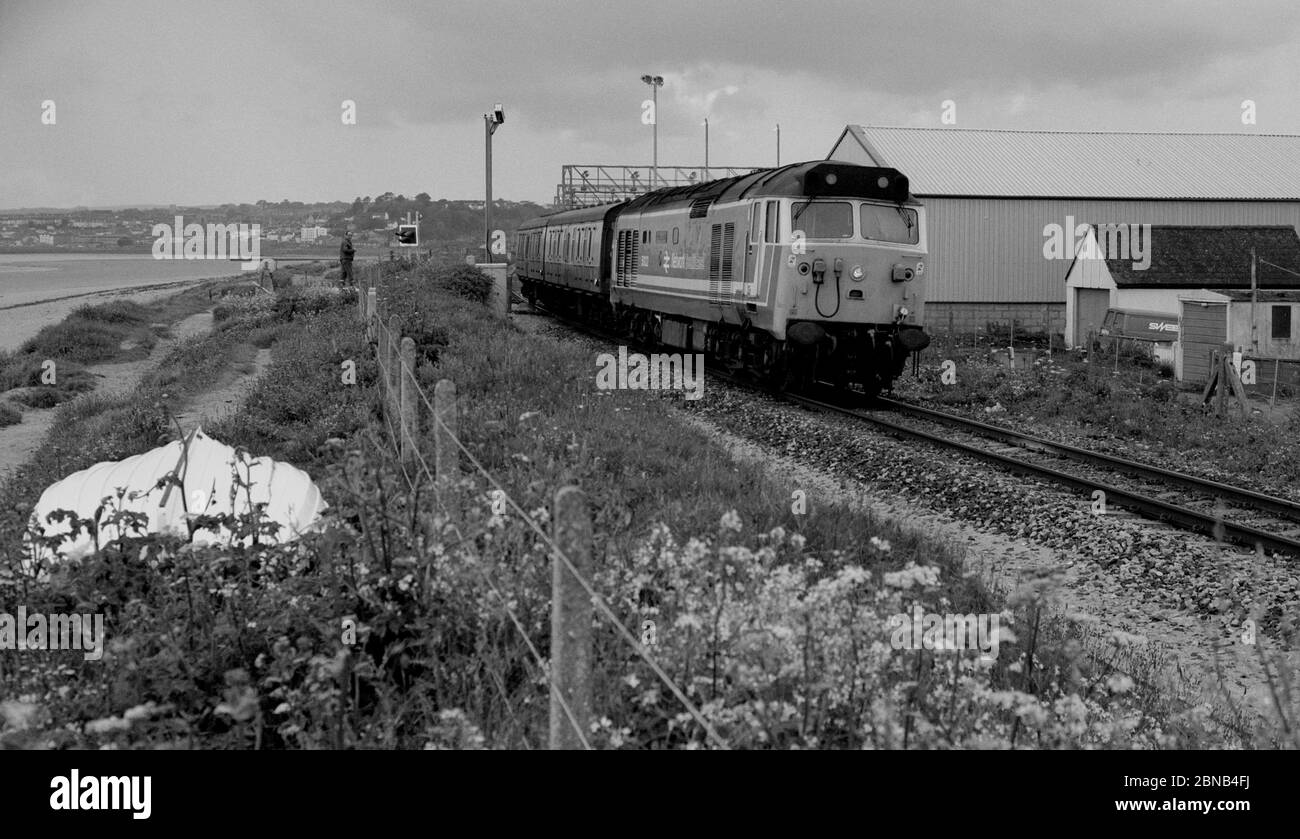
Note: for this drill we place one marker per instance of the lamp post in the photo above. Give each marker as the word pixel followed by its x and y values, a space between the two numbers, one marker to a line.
pixel 706 146
pixel 655 83
pixel 490 123
pixel 778 144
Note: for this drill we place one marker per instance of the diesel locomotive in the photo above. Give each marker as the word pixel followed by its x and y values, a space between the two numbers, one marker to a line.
pixel 811 272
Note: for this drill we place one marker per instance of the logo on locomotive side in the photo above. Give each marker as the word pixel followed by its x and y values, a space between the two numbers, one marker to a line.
pixel 658 371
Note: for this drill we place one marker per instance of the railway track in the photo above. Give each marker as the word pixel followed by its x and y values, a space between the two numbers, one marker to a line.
pixel 1210 523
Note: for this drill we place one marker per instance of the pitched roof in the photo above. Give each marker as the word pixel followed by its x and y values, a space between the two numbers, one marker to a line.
pixel 1085 164
pixel 1190 256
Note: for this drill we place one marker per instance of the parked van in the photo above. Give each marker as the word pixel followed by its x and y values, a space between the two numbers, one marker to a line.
pixel 1158 329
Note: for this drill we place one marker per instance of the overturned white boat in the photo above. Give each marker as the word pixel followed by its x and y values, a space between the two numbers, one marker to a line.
pixel 167 487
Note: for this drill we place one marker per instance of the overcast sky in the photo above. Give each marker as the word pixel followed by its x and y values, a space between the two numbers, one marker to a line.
pixel 213 102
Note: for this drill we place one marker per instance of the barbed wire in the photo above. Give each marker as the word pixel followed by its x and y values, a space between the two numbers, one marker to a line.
pixel 505 605
pixel 597 600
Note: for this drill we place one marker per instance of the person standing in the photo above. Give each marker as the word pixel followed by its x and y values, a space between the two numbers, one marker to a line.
pixel 346 254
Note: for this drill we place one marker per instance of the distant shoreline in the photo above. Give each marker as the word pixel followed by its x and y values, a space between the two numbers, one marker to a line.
pixel 122 289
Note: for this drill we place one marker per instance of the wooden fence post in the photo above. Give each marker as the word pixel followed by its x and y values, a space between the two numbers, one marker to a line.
pixel 392 360
pixel 446 454
pixel 409 421
pixel 1272 402
pixel 570 620
pixel 372 312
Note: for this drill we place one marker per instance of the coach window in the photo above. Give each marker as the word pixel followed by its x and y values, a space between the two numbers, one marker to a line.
pixel 1281 323
pixel 773 229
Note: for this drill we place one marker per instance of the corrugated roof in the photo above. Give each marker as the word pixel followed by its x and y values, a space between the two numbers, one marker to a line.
pixel 1191 256
pixel 1085 164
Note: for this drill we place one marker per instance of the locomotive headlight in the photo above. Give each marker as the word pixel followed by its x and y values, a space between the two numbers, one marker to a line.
pixel 903 311
pixel 857 273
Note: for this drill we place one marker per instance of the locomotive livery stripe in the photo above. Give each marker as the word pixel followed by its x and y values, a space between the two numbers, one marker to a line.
pixel 695 288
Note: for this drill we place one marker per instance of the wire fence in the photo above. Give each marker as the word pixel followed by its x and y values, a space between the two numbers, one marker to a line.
pixel 404 400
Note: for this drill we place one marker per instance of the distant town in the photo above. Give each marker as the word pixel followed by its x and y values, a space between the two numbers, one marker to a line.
pixel 287 226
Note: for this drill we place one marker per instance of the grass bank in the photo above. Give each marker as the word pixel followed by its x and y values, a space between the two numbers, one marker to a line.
pixel 49 369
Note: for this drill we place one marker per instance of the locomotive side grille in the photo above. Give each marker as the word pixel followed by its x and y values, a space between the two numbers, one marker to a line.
pixel 728 243
pixel 626 262
pixel 700 207
pixel 715 264
pixel 620 258
pixel 633 257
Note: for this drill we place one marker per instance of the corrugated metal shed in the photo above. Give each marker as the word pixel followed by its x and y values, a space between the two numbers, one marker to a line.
pixel 991 195
pixel 1084 164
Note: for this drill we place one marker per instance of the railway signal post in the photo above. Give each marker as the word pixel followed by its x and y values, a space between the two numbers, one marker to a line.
pixel 490 123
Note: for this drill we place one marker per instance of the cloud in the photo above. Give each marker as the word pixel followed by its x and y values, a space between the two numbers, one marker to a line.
pixel 195 102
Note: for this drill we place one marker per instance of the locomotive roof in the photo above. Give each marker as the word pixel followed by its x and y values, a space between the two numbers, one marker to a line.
pixel 811 179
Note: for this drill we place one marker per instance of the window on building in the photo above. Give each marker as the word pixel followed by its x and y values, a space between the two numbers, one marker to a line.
pixel 1281 323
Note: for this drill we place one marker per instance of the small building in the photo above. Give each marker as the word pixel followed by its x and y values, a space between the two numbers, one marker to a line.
pixel 1153 268
pixel 1263 326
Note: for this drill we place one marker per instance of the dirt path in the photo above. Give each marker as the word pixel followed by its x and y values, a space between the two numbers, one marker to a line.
pixel 215 404
pixel 19 442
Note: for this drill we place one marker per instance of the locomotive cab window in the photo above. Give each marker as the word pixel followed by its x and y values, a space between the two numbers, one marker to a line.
pixel 822 219
pixel 772 228
pixel 890 224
